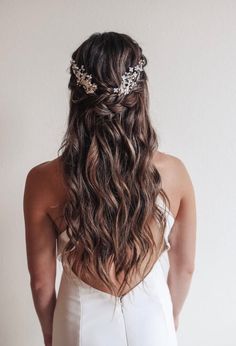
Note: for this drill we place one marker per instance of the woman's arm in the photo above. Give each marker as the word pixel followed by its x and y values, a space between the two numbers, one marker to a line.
pixel 183 243
pixel 41 248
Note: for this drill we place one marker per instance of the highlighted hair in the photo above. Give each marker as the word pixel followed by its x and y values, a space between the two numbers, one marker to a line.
pixel 107 159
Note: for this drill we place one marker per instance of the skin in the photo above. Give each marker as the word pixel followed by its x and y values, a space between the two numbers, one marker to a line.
pixel 179 188
pixel 44 196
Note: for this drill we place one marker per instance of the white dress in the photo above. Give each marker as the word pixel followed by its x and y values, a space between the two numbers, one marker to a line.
pixel 85 316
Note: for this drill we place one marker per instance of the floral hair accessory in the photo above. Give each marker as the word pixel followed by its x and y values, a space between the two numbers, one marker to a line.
pixel 129 79
pixel 83 78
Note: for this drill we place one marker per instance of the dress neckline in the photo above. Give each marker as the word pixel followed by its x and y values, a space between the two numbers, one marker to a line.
pixel 138 284
pixel 155 263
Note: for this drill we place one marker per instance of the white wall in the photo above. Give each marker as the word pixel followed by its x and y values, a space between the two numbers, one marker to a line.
pixel 191 50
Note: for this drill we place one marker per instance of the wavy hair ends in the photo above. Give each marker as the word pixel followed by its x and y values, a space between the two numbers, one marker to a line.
pixel 107 160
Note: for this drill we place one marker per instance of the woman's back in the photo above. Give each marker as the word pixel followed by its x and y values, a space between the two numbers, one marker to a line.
pixel 166 164
pixel 86 314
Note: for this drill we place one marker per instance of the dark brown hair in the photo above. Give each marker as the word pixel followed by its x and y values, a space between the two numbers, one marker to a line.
pixel 107 159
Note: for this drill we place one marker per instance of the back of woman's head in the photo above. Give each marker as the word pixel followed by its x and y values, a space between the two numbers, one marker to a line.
pixel 107 160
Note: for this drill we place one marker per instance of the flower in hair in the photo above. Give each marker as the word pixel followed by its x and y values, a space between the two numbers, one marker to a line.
pixel 82 78
pixel 129 79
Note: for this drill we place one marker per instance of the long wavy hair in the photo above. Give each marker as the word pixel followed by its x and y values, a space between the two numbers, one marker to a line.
pixel 107 159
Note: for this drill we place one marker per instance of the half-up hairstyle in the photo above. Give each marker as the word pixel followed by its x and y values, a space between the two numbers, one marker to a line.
pixel 107 160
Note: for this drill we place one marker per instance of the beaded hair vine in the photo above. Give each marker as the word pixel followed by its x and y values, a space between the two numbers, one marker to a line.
pixel 129 79
pixel 82 78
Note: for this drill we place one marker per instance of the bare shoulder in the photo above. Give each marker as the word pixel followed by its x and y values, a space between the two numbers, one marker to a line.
pixel 45 173
pixel 172 166
pixel 164 160
pixel 41 184
pixel 176 180
pixel 43 169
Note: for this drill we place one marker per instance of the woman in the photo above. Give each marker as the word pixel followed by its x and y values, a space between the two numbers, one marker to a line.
pixel 110 207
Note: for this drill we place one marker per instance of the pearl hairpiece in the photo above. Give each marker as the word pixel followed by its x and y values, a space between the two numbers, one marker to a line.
pixel 129 79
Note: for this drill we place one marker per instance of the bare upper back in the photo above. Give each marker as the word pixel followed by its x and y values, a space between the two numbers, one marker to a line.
pixel 50 176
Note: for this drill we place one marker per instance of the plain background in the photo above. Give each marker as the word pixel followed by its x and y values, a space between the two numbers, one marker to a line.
pixel 190 46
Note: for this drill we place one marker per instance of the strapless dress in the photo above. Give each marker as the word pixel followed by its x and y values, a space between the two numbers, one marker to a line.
pixel 85 316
